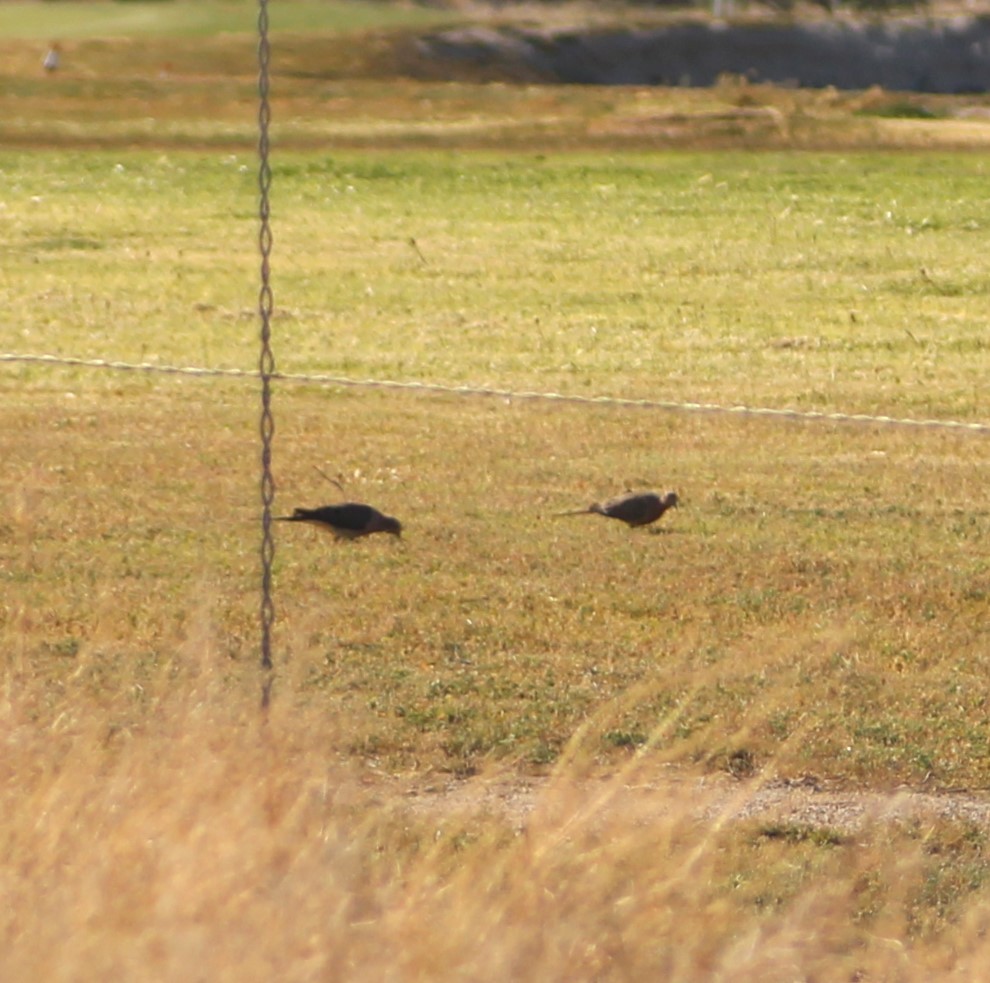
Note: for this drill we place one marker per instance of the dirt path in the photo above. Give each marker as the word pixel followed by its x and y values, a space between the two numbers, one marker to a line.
pixel 713 798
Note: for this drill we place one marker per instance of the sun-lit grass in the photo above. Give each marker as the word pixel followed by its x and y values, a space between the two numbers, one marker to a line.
pixel 805 561
pixel 775 280
pixel 829 282
pixel 513 746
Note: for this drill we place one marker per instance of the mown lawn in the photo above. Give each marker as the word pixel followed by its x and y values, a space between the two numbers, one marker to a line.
pixel 808 557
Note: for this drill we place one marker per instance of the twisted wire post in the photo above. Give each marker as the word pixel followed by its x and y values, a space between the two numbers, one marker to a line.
pixel 266 366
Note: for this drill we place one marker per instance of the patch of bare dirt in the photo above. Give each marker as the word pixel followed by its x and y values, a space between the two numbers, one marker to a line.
pixel 709 798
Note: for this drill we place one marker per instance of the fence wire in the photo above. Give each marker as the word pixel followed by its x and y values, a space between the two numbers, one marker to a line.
pixel 439 388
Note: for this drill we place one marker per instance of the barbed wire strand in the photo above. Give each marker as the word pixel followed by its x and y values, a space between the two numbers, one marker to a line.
pixel 266 363
pixel 439 388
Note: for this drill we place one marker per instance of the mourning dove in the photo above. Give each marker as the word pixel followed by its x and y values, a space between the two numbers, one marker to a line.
pixel 350 520
pixel 635 509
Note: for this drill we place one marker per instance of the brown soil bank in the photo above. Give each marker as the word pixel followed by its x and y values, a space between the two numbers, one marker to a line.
pixel 913 54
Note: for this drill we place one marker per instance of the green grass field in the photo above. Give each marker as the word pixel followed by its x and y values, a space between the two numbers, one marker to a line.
pixel 815 611
pixel 583 276
pixel 190 19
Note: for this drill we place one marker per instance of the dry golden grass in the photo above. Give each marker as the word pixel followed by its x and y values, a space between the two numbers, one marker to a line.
pixel 207 843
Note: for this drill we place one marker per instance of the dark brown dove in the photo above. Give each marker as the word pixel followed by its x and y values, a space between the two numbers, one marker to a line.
pixel 635 509
pixel 350 520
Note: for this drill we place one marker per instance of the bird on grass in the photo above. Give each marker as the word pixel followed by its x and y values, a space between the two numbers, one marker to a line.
pixel 350 520
pixel 634 509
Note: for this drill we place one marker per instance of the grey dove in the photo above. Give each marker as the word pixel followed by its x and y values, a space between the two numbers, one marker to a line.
pixel 350 520
pixel 634 509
